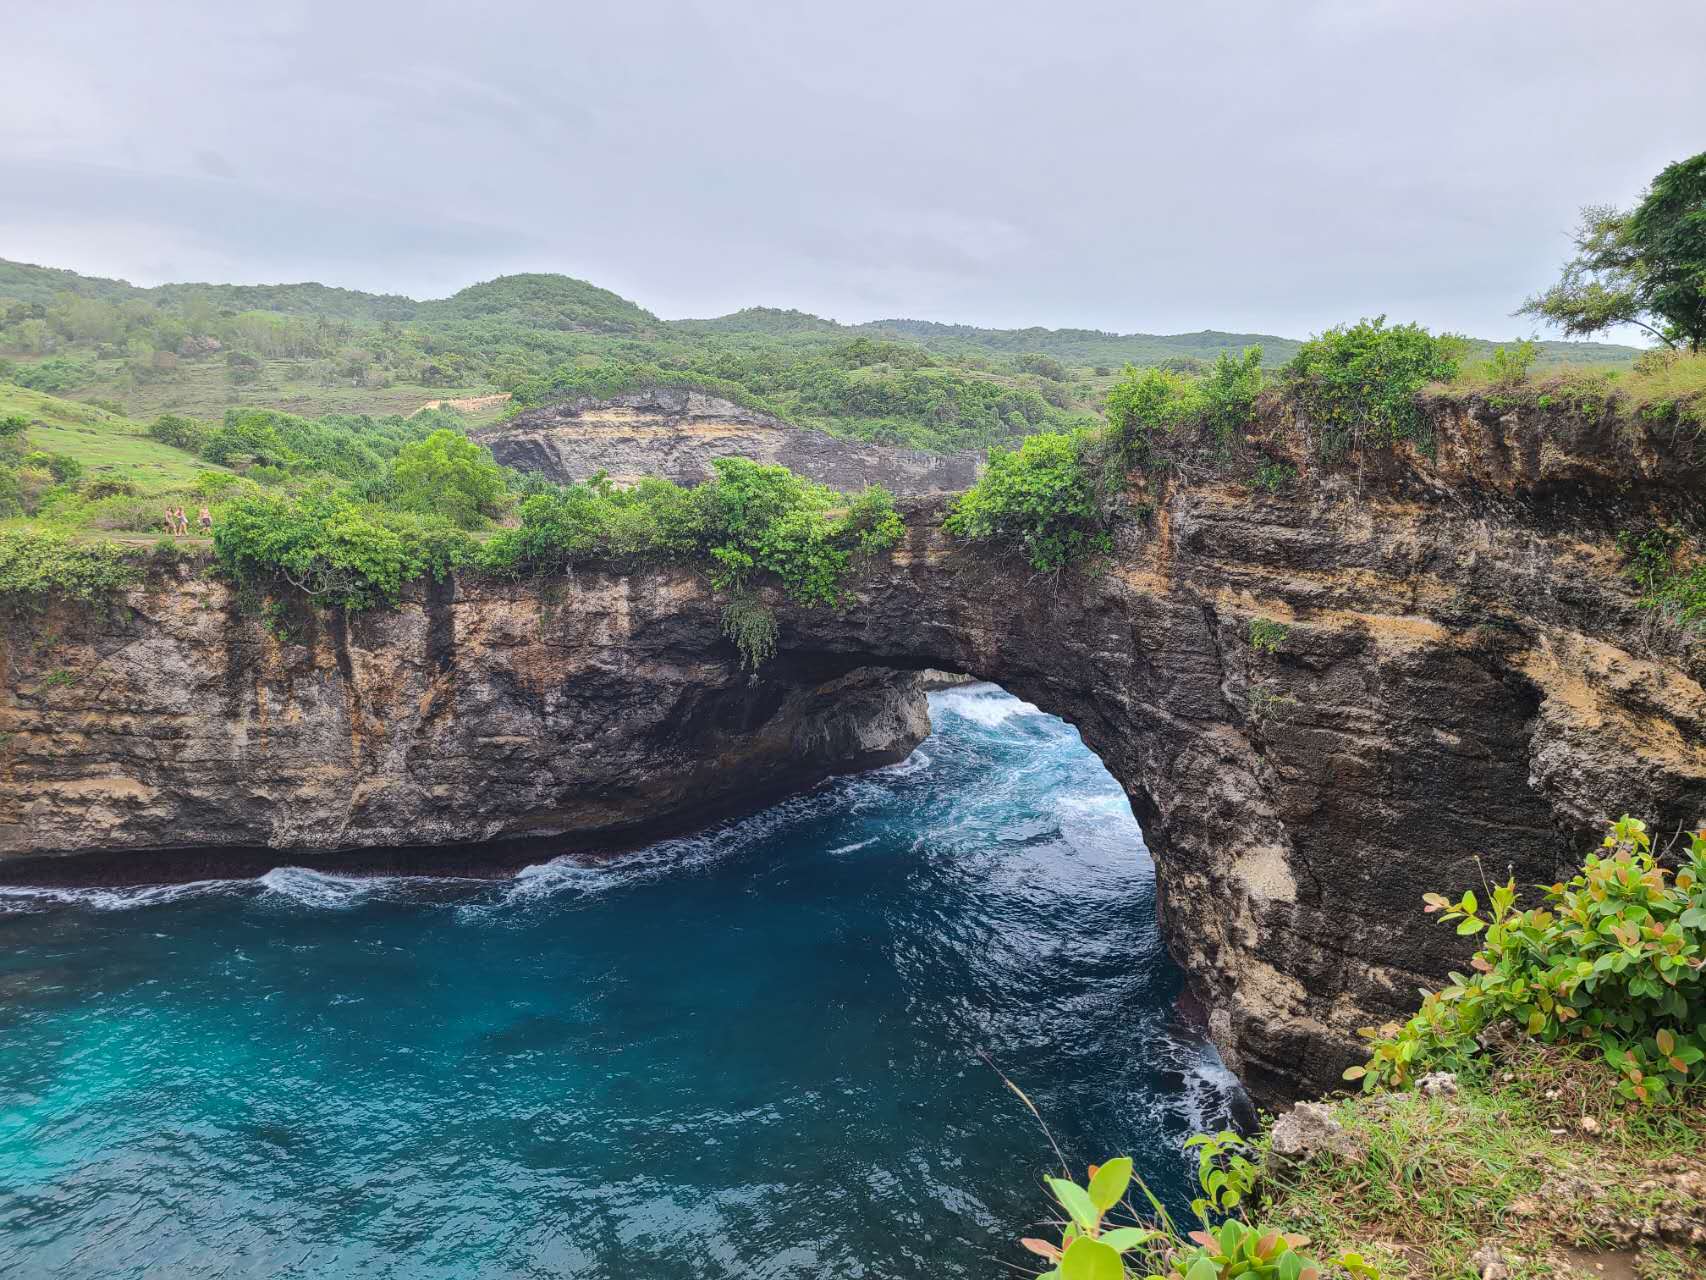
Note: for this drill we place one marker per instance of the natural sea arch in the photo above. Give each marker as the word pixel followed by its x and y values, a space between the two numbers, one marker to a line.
pixel 1430 691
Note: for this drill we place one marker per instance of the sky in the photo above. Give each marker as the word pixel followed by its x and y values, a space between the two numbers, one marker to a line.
pixel 1261 166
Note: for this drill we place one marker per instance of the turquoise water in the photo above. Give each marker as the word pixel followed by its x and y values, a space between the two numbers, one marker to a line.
pixel 752 1053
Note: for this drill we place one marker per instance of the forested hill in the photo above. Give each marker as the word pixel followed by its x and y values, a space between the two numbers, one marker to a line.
pixel 198 349
pixel 1073 346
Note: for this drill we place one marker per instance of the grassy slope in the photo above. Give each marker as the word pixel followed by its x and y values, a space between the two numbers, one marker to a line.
pixel 1533 1160
pixel 202 390
pixel 108 446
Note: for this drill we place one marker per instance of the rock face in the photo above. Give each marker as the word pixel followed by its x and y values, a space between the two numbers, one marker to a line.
pixel 675 434
pixel 1450 678
pixel 177 721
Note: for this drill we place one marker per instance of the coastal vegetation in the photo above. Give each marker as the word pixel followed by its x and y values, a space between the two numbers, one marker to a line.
pixel 311 350
pixel 348 506
pixel 1039 498
pixel 1548 1101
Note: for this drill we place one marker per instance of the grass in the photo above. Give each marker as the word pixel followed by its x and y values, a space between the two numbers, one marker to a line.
pixel 1659 388
pixel 201 389
pixel 109 446
pixel 1533 1159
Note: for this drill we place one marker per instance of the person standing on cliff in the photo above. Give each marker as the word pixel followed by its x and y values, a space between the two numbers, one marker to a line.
pixel 206 520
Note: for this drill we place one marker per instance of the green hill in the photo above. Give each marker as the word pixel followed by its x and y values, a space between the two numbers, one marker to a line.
pixel 538 300
pixel 314 349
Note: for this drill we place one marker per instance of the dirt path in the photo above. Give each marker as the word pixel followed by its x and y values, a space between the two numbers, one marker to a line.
pixel 467 404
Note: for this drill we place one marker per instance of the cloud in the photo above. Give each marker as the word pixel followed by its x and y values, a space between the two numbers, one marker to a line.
pixel 1127 166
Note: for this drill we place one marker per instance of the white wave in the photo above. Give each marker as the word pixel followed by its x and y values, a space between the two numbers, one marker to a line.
pixel 576 876
pixel 855 846
pixel 309 888
pixel 917 762
pixel 20 898
pixel 1211 1093
pixel 986 704
pixel 1105 803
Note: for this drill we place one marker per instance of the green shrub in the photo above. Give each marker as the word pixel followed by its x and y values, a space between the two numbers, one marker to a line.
pixel 1228 393
pixel 179 432
pixel 64 469
pixel 55 375
pixel 1672 577
pixel 1613 961
pixel 1266 635
pixel 1106 1238
pixel 1509 365
pixel 1145 404
pixel 1357 383
pixel 338 552
pixel 1041 365
pixel 38 564
pixel 448 474
pixel 1038 498
pixel 1275 477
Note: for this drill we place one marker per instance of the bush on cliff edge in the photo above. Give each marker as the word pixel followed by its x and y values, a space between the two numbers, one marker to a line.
pixel 1038 498
pixel 1615 961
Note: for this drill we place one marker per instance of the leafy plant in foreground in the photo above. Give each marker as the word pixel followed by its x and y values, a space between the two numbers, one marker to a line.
pixel 1614 960
pixel 1225 1245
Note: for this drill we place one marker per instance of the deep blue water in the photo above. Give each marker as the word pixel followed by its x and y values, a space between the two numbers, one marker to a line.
pixel 752 1053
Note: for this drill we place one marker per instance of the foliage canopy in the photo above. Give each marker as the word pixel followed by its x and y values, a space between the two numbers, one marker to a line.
pixel 1645 267
pixel 1039 498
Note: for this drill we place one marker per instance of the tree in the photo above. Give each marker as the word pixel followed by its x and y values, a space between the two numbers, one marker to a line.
pixel 1646 267
pixel 449 475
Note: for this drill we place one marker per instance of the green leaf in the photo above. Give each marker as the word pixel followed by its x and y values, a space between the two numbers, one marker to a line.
pixel 1123 1238
pixel 1203 1269
pixel 1091 1260
pixel 1290 1266
pixel 1076 1201
pixel 1109 1185
pixel 1471 925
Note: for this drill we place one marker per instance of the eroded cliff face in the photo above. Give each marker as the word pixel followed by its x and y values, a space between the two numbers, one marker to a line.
pixel 583 712
pixel 675 434
pixel 1465 684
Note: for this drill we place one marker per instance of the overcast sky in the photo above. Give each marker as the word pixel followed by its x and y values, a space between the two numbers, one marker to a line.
pixel 1262 166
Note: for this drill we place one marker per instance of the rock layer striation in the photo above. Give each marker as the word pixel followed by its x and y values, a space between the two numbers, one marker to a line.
pixel 676 433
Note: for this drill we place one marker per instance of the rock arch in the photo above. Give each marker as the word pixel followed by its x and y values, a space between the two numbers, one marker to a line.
pixel 1445 678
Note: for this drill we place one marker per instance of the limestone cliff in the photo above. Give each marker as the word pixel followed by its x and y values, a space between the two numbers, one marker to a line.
pixel 676 433
pixel 177 721
pixel 1455 676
